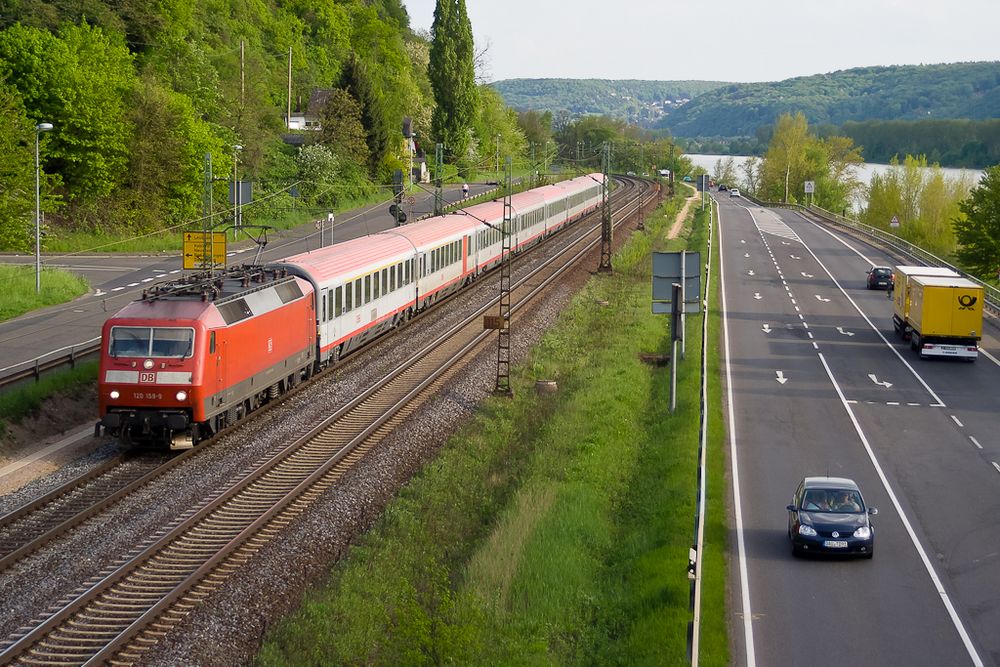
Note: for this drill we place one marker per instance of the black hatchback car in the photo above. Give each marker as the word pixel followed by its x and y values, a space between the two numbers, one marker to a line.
pixel 880 277
pixel 828 515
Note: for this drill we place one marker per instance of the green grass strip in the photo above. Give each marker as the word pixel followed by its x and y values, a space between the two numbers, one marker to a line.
pixel 20 402
pixel 19 296
pixel 553 529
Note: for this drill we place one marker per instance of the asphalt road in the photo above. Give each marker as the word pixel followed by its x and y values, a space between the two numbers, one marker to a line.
pixel 820 386
pixel 116 280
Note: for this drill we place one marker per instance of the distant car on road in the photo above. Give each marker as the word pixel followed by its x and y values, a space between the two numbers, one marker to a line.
pixel 828 515
pixel 688 179
pixel 722 187
pixel 734 192
pixel 880 277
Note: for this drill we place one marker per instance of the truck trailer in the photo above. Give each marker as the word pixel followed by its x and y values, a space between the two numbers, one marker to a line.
pixel 940 314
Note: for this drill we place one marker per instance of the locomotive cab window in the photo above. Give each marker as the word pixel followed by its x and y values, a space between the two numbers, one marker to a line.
pixel 151 342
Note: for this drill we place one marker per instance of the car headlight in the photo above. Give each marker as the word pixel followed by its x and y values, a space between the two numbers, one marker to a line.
pixel 114 395
pixel 808 531
pixel 181 395
pixel 864 533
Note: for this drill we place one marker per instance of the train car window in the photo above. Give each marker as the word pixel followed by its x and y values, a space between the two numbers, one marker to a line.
pixel 329 299
pixel 376 285
pixel 385 281
pixel 392 278
pixel 348 298
pixel 368 289
pixel 211 343
pixel 172 342
pixel 357 293
pixel 339 308
pixel 323 299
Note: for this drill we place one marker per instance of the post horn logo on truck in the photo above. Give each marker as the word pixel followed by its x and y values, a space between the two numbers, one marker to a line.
pixel 966 302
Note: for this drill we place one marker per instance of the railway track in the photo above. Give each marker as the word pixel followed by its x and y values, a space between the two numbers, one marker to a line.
pixel 123 614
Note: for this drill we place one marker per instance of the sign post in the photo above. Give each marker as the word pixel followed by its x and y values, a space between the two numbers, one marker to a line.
pixel 894 222
pixel 810 187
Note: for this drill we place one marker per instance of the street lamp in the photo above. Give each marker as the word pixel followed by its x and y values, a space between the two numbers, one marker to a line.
pixel 41 127
pixel 498 158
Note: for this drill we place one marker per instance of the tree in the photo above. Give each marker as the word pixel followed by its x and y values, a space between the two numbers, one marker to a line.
pixel 977 230
pixel 453 77
pixel 81 81
pixel 342 129
pixel 725 171
pixel 359 84
pixel 17 178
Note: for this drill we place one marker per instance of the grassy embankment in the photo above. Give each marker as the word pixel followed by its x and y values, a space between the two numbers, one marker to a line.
pixel 19 296
pixel 552 529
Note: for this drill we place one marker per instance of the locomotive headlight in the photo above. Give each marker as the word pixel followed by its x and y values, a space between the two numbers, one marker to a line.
pixel 181 395
pixel 114 395
pixel 147 364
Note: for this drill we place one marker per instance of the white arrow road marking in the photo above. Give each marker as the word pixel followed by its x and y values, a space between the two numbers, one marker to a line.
pixel 99 292
pixel 746 254
pixel 881 384
pixel 822 299
pixel 781 377
pixel 807 275
pixel 766 328
pixel 743 241
pixel 750 272
pixel 757 296
pixel 785 243
pixel 795 257
pixel 846 333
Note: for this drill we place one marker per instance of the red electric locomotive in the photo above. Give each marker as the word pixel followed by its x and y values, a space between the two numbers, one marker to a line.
pixel 194 356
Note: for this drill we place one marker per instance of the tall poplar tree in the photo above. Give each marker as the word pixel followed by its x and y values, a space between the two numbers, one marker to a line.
pixel 452 74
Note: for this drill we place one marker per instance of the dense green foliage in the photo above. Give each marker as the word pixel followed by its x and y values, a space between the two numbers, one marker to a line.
pixel 139 94
pixel 950 143
pixel 977 230
pixel 961 90
pixel 925 203
pixel 638 102
pixel 453 77
pixel 553 529
pixel 796 155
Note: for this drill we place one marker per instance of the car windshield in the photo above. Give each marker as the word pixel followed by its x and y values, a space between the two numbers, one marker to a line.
pixel 882 273
pixel 839 501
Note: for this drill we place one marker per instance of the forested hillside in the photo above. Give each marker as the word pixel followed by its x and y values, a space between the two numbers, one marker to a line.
pixel 640 102
pixel 139 93
pixel 961 90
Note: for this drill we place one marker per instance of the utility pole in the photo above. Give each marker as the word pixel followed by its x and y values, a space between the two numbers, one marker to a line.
pixel 438 194
pixel 288 116
pixel 503 333
pixel 788 168
pixel 606 228
pixel 242 80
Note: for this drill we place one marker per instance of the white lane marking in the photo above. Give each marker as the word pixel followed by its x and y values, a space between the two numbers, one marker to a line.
pixel 117 289
pixel 807 275
pixel 751 659
pixel 886 384
pixel 146 280
pixel 989 356
pixel 780 377
pixel 892 402
pixel 796 257
pixel 937 401
pixel 963 633
pixel 821 299
pixel 975 442
pixel 815 346
pixel 914 404
pixel 955 419
pixel 133 284
pixel 846 333
pixel 996 465
pixel 810 334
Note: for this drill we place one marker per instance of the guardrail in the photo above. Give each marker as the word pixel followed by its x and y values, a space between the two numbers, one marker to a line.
pixel 33 369
pixel 892 242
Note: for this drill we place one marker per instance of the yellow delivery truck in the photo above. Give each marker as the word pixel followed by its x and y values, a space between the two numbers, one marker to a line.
pixel 941 315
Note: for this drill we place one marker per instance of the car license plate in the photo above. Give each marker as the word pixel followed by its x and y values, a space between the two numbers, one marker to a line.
pixel 835 544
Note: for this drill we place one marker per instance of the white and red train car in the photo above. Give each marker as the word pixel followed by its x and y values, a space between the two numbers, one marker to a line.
pixel 192 358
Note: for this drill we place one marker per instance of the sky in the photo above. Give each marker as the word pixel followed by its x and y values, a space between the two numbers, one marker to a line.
pixel 726 40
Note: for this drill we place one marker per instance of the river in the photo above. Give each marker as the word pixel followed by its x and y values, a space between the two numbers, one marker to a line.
pixel 865 171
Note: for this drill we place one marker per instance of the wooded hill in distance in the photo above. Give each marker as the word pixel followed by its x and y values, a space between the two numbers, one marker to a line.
pixel 714 108
pixel 640 102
